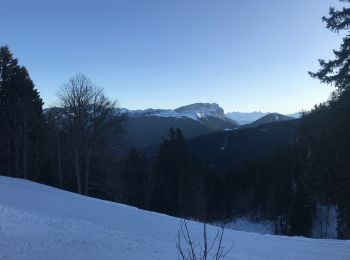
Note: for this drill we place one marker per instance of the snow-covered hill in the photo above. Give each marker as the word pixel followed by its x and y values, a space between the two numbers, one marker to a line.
pixel 40 222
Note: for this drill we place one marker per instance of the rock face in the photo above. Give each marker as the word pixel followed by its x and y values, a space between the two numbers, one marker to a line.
pixel 200 110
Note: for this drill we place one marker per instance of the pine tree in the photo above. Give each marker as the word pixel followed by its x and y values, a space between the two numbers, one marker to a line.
pixel 20 117
pixel 174 171
pixel 336 71
pixel 133 179
pixel 325 131
pixel 302 213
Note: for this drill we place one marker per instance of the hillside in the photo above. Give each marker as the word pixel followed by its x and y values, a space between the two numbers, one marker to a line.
pixel 269 118
pixel 40 222
pixel 229 148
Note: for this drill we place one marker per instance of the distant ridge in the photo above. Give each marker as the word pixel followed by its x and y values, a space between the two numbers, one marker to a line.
pixel 269 118
pixel 244 118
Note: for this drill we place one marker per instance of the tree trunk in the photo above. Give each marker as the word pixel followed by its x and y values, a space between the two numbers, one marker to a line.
pixel 77 171
pixel 59 161
pixel 16 154
pixel 87 173
pixel 25 155
pixel 8 155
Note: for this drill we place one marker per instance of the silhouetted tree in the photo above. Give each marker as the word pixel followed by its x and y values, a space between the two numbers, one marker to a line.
pixel 20 117
pixel 174 171
pixel 89 117
pixel 325 131
pixel 336 71
pixel 132 179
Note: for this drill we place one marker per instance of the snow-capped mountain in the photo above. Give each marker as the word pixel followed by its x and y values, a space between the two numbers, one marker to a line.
pixel 200 110
pixel 146 128
pixel 267 119
pixel 243 118
pixel 194 111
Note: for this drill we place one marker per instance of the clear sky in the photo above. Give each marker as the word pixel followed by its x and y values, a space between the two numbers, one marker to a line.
pixel 245 55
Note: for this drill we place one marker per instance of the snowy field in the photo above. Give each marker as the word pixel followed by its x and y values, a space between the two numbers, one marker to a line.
pixel 39 222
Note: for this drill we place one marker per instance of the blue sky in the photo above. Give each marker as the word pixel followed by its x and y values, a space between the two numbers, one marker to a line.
pixel 245 55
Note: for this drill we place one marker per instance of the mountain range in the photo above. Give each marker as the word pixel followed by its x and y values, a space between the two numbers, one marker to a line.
pixel 145 128
pixel 243 118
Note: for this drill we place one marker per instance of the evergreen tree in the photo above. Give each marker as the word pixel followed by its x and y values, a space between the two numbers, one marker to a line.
pixel 302 213
pixel 325 131
pixel 336 71
pixel 20 117
pixel 174 171
pixel 133 179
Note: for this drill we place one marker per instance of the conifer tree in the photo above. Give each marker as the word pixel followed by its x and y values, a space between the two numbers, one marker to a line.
pixel 326 129
pixel 20 116
pixel 337 71
pixel 133 179
pixel 174 170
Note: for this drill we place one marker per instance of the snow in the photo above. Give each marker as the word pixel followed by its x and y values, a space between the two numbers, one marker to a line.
pixel 325 224
pixel 194 111
pixel 246 224
pixel 40 222
pixel 295 115
pixel 244 118
pixel 152 112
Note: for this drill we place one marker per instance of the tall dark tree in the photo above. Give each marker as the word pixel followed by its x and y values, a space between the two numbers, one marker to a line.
pixel 301 214
pixel 20 117
pixel 325 131
pixel 336 71
pixel 174 170
pixel 132 179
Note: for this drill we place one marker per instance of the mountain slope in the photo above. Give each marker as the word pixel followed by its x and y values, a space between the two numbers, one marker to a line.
pixel 229 148
pixel 269 118
pixel 244 118
pixel 40 222
pixel 149 130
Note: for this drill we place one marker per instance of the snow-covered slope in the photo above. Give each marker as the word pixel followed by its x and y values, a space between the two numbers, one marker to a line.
pixel 40 222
